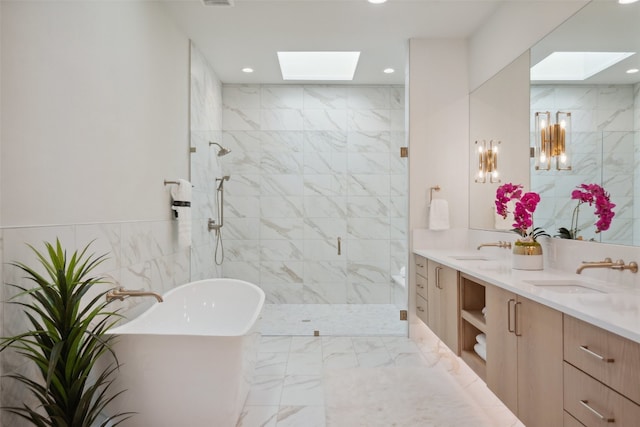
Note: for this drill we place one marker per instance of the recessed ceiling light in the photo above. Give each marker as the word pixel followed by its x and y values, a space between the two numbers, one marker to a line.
pixel 575 65
pixel 388 70
pixel 627 1
pixel 381 1
pixel 632 70
pixel 247 70
pixel 318 65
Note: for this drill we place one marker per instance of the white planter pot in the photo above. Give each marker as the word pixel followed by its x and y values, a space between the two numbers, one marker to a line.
pixel 527 262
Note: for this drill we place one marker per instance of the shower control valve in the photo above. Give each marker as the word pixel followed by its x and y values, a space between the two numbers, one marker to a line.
pixel 211 225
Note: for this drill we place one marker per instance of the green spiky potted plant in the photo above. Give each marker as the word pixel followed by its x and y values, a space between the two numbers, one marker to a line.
pixel 67 336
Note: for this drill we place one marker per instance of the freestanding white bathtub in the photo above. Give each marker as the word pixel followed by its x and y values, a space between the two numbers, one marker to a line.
pixel 188 361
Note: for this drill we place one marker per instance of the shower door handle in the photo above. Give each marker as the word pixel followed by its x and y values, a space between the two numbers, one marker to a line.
pixel 339 246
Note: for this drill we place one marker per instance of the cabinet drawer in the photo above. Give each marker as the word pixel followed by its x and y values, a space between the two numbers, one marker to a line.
pixel 608 357
pixel 421 266
pixel 421 286
pixel 421 309
pixel 594 404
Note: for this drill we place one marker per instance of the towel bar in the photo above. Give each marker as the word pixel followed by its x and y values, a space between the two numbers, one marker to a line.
pixel 167 182
pixel 436 188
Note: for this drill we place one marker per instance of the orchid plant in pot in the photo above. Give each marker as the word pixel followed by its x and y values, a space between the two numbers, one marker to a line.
pixel 527 250
pixel 593 194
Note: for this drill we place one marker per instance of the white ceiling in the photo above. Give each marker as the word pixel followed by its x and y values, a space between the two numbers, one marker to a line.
pixel 250 33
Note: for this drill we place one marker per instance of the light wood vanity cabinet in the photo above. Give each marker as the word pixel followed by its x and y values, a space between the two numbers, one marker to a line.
pixel 524 357
pixel 422 305
pixel 437 299
pixel 601 375
pixel 442 299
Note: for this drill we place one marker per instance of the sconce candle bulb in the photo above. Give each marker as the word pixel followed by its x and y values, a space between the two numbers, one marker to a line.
pixel 552 140
pixel 487 161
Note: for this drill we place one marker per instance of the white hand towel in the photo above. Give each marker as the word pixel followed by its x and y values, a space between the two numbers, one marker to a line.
pixel 480 350
pixel 181 205
pixel 439 214
pixel 481 339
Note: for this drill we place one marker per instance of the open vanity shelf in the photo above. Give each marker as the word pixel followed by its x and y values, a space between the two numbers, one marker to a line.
pixel 472 322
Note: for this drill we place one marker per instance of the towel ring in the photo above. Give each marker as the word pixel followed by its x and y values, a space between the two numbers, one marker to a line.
pixel 431 190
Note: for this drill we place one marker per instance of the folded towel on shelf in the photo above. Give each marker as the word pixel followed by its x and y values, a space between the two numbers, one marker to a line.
pixel 181 205
pixel 481 351
pixel 481 339
pixel 439 214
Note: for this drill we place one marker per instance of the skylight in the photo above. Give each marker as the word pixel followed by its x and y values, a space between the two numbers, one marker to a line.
pixel 318 65
pixel 575 65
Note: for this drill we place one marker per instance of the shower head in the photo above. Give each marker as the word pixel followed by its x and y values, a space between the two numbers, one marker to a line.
pixel 222 151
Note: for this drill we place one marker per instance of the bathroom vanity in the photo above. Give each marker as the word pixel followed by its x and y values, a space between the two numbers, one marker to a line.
pixel 561 349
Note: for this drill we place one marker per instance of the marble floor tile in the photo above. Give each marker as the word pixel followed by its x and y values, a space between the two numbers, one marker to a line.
pixel 368 381
pixel 265 390
pixel 259 416
pixel 301 416
pixel 302 390
pixel 275 344
pixel 304 364
pixel 271 364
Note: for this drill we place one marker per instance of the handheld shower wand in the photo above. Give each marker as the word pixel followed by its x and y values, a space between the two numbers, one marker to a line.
pixel 212 225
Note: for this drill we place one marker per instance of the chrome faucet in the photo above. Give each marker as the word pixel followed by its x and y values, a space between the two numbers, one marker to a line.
pixel 500 244
pixel 608 263
pixel 120 293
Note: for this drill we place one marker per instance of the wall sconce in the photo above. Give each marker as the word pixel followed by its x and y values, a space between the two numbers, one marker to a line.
pixel 487 161
pixel 552 141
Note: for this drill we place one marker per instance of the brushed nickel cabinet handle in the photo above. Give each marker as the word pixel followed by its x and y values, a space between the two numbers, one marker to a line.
pixel 509 328
pixel 438 277
pixel 420 309
pixel 516 323
pixel 585 403
pixel 419 285
pixel 339 246
pixel 594 354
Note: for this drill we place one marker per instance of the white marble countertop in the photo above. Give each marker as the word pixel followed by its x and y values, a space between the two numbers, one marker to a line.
pixel 615 308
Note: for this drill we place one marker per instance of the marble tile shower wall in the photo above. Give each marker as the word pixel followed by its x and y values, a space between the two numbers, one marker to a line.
pixel 311 164
pixel 206 126
pixel 604 150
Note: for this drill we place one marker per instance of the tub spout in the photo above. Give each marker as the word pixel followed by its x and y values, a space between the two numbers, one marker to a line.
pixel 120 293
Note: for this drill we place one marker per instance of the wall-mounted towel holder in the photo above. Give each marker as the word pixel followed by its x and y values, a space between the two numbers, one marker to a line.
pixel 431 190
pixel 167 182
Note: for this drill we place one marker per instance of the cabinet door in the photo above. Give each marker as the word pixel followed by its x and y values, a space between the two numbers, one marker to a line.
pixel 449 308
pixel 502 346
pixel 433 297
pixel 539 332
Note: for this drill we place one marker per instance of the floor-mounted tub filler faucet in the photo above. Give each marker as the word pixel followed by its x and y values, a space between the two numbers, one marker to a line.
pixel 607 263
pixel 120 293
pixel 500 244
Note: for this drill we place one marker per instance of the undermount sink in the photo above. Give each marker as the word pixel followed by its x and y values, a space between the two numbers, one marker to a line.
pixel 565 286
pixel 470 257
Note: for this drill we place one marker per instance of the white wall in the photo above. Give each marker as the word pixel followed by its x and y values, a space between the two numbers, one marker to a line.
pixel 438 128
pixel 438 134
pixel 95 101
pixel 511 31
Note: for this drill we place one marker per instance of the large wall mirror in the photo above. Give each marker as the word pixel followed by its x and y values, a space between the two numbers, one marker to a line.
pixel 499 119
pixel 605 120
pixel 604 143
